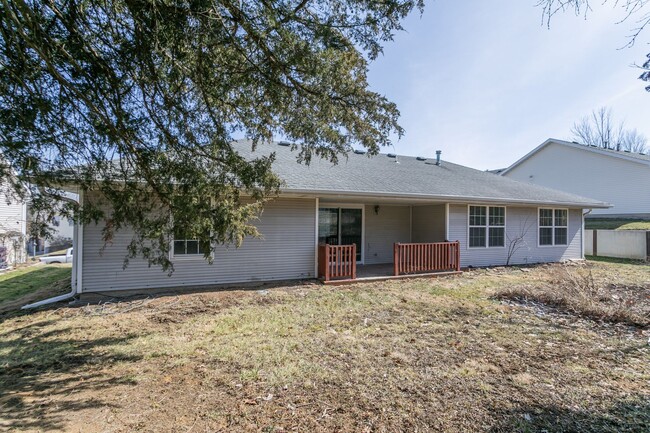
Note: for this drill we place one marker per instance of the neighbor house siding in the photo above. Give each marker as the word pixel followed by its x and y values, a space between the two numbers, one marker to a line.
pixel 519 220
pixel 12 219
pixel 286 251
pixel 589 174
pixel 383 228
pixel 428 224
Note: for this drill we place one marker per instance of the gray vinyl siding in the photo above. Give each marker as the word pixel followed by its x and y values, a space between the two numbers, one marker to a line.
pixel 391 224
pixel 286 252
pixel 517 220
pixel 428 224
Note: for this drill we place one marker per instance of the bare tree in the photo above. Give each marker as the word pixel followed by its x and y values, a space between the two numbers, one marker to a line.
pixel 600 130
pixel 517 240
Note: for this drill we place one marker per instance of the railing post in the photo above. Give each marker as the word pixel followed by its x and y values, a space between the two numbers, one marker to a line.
pixel 457 256
pixel 327 262
pixel 396 259
pixel 354 261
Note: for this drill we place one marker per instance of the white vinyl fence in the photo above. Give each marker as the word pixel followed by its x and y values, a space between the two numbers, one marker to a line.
pixel 626 244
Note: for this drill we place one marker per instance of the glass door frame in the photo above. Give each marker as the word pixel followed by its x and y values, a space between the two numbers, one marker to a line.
pixel 329 205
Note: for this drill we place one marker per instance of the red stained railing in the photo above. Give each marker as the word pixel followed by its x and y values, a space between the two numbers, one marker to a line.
pixel 337 261
pixel 423 258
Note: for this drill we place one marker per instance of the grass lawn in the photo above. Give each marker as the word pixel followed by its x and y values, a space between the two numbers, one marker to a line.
pixel 614 260
pixel 616 224
pixel 421 355
pixel 24 281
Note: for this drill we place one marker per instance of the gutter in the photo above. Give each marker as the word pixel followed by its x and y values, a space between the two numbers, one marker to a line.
pixel 447 198
pixel 73 285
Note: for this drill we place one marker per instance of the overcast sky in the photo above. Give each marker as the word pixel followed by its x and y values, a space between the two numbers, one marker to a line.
pixel 486 82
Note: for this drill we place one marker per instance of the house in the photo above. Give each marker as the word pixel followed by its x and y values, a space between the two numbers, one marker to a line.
pixel 616 177
pixel 365 217
pixel 61 231
pixel 13 227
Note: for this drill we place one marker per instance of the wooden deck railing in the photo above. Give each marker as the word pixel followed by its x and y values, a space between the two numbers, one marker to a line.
pixel 337 261
pixel 422 258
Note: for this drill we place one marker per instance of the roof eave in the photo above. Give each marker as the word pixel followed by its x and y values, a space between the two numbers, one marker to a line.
pixel 446 198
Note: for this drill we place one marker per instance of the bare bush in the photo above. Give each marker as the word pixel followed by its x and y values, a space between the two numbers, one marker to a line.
pixel 577 292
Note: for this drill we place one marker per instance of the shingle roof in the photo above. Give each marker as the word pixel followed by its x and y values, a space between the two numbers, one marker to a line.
pixel 407 177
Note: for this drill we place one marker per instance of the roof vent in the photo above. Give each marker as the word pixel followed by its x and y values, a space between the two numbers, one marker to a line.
pixel 421 158
pixel 284 143
pixel 641 153
pixel 391 155
pixel 438 153
pixel 359 152
pixel 627 151
pixel 592 145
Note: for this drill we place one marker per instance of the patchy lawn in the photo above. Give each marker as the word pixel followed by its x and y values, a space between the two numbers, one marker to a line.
pixel 616 224
pixel 420 355
pixel 32 281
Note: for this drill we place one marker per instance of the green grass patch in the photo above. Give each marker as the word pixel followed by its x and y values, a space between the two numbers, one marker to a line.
pixel 18 283
pixel 616 224
pixel 615 260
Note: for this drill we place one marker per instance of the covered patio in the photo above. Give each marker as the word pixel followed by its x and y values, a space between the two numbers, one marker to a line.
pixel 383 240
pixel 338 264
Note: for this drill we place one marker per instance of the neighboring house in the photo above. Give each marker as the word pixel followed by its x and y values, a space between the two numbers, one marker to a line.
pixel 372 203
pixel 61 233
pixel 620 178
pixel 13 227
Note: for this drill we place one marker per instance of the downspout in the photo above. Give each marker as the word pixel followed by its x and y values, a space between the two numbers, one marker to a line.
pixel 582 234
pixel 73 281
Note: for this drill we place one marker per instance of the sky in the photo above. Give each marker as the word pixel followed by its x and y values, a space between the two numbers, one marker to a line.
pixel 487 81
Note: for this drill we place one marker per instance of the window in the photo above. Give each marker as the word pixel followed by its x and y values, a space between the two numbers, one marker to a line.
pixel 487 226
pixel 497 227
pixel 187 247
pixel 341 226
pixel 553 227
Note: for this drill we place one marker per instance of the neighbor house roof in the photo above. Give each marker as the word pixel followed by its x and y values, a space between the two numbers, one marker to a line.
pixel 400 176
pixel 642 158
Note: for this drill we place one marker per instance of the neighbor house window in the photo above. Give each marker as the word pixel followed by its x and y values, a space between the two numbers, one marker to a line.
pixel 186 247
pixel 487 226
pixel 553 227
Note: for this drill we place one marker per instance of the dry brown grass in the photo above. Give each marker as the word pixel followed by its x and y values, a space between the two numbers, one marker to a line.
pixel 576 291
pixel 407 356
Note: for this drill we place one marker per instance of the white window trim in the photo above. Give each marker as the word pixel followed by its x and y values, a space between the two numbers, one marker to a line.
pixel 487 226
pixel 184 256
pixel 553 245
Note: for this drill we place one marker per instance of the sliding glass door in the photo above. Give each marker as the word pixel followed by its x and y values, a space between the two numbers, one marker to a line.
pixel 341 226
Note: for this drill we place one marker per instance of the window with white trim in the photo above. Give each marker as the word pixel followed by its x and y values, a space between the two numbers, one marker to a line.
pixel 487 226
pixel 187 247
pixel 553 226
